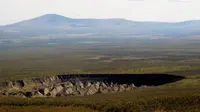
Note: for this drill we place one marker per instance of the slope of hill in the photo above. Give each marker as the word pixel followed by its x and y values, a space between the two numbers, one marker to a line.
pixel 53 24
pixel 58 21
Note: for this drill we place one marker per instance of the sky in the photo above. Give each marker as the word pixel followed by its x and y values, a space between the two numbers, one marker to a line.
pixel 12 11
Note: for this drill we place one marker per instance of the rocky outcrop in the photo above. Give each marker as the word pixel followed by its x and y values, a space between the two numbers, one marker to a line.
pixel 82 84
pixel 69 89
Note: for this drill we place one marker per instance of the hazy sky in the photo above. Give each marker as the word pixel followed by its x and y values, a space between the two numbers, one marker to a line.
pixel 139 10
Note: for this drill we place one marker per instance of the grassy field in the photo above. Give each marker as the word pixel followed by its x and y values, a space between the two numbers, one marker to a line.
pixel 181 96
pixel 171 58
pixel 44 109
pixel 27 62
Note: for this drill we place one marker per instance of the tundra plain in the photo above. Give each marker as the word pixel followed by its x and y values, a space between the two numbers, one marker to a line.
pixel 35 58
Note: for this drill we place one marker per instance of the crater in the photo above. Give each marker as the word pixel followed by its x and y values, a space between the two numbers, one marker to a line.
pixel 85 84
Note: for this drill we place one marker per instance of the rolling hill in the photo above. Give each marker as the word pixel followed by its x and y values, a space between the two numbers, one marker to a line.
pixel 57 24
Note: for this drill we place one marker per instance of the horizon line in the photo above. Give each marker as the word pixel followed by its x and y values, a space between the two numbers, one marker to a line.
pixel 99 19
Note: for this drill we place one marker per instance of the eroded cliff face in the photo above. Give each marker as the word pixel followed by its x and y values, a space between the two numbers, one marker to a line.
pixel 81 85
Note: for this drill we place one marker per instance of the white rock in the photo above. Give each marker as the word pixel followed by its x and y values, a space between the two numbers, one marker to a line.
pixel 91 90
pixel 69 91
pixel 88 84
pixel 80 84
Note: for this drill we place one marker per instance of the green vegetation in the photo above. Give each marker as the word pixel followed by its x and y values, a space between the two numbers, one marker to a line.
pixel 44 109
pixel 181 96
pixel 28 61
pixel 170 58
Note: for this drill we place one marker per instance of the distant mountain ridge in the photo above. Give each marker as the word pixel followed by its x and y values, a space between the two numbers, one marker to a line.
pixel 53 23
pixel 58 21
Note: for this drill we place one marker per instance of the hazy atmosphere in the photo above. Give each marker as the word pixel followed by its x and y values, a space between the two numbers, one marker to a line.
pixel 138 10
pixel 99 56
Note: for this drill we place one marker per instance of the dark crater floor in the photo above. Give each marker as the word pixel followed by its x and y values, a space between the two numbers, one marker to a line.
pixel 136 79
